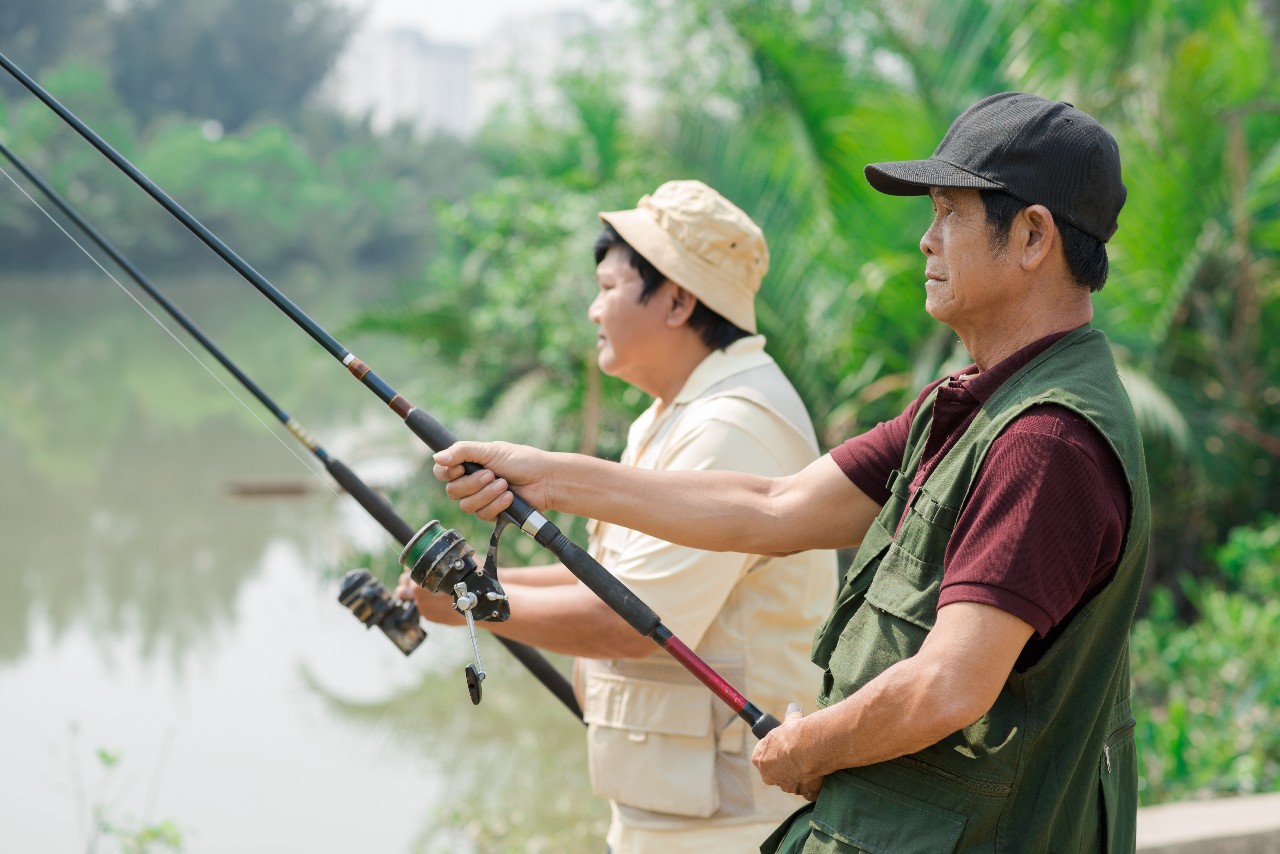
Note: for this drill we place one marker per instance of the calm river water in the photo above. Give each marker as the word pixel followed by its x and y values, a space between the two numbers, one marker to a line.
pixel 170 652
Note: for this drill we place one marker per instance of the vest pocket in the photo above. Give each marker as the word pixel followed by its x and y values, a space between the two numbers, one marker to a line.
pixel 852 815
pixel 1118 780
pixel 651 744
pixel 907 588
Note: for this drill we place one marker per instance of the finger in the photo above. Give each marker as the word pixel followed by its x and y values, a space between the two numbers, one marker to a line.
pixel 491 511
pixel 404 586
pixel 794 712
pixel 447 473
pixel 477 501
pixel 469 485
pixel 463 452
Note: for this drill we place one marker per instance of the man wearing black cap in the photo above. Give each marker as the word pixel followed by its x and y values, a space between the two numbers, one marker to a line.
pixel 976 684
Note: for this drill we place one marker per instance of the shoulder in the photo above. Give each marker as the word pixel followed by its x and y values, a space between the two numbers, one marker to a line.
pixel 1051 423
pixel 1049 443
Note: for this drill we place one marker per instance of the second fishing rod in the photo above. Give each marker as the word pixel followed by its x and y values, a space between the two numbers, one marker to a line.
pixel 366 598
pixel 423 555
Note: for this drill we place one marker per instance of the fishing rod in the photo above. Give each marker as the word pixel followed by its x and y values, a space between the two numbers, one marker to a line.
pixel 359 591
pixel 428 558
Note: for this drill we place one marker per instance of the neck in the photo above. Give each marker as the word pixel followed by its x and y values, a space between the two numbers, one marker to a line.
pixel 996 341
pixel 680 362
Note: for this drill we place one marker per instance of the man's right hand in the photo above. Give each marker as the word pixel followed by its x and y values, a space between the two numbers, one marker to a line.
pixel 487 492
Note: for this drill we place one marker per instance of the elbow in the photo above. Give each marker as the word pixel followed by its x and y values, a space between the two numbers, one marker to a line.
pixel 953 703
pixel 632 645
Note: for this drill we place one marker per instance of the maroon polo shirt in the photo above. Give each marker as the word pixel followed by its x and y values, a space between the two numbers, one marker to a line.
pixel 1044 524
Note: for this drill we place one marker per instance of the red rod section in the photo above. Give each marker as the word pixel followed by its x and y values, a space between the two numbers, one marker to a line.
pixel 722 689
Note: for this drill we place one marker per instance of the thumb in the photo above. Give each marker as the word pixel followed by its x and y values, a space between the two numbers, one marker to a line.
pixel 462 452
pixel 793 712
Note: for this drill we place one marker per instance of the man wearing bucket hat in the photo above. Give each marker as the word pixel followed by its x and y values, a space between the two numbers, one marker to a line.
pixel 678 276
pixel 976 687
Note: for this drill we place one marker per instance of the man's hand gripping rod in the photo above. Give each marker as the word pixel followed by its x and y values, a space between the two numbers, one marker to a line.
pixel 599 580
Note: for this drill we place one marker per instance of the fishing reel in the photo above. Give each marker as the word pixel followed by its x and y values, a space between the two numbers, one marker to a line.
pixel 374 605
pixel 439 559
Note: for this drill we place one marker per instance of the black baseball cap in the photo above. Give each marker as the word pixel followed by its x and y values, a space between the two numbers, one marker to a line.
pixel 1041 152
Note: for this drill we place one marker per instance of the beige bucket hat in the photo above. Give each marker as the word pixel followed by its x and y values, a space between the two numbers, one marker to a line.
pixel 701 241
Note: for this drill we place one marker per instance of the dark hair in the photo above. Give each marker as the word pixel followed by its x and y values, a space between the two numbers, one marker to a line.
pixel 716 332
pixel 1086 255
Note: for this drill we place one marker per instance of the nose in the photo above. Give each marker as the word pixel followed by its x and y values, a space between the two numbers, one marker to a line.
pixel 593 310
pixel 928 240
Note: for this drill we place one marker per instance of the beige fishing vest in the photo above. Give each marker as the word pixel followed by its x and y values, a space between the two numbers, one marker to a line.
pixel 661 746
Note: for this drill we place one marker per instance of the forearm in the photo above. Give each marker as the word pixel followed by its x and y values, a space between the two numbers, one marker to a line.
pixel 711 510
pixel 901 711
pixel 569 621
pixel 951 682
pixel 548 575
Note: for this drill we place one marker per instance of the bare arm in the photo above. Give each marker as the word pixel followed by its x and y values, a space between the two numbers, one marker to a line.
pixel 951 682
pixel 816 508
pixel 548 575
pixel 563 618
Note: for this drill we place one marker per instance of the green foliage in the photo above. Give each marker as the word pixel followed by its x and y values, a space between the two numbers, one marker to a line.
pixel 37 35
pixel 1209 691
pixel 332 196
pixel 1250 559
pixel 128 834
pixel 255 57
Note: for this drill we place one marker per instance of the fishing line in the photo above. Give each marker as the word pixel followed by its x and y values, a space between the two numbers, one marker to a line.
pixel 290 448
pixel 436 558
pixel 360 592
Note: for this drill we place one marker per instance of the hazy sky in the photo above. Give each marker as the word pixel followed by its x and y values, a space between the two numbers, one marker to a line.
pixel 460 21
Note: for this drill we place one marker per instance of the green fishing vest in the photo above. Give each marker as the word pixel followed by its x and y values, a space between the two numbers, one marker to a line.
pixel 1052 766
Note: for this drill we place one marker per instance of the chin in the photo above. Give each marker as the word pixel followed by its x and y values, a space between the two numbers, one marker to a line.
pixel 605 363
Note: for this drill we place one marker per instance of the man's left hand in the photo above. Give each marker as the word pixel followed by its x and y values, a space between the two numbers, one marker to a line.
pixel 437 608
pixel 775 758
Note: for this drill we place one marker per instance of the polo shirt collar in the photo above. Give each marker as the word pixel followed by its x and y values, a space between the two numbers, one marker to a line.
pixel 987 382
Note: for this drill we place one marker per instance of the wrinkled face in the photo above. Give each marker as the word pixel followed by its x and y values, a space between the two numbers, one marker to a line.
pixel 630 343
pixel 963 269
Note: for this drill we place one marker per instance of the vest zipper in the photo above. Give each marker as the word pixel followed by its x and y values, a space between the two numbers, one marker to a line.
pixel 1122 730
pixel 976 786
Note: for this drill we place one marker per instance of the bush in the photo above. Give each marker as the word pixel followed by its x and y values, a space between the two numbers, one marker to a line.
pixel 1208 691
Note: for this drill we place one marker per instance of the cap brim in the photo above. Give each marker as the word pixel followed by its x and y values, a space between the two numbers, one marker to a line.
pixel 915 177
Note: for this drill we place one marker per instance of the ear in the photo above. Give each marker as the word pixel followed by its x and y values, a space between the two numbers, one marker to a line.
pixel 1037 235
pixel 682 304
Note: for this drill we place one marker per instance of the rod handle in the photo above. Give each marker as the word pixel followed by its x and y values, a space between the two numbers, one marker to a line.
pixel 766 724
pixel 431 431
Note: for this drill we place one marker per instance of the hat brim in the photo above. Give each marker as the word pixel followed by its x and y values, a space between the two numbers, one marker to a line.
pixel 915 177
pixel 722 294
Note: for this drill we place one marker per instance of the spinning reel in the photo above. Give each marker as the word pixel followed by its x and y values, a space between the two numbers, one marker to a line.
pixel 439 559
pixel 374 605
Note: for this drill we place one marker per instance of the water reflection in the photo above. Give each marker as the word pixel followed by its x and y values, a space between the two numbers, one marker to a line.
pixel 149 612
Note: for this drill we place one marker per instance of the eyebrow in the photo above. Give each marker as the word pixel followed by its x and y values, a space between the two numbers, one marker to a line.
pixel 943 193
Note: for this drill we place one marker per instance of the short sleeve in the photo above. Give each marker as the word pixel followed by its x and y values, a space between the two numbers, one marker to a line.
pixel 1045 522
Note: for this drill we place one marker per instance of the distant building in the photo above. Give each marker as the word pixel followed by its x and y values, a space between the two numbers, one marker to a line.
pixel 518 63
pixel 399 76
